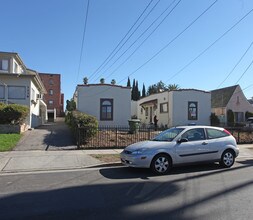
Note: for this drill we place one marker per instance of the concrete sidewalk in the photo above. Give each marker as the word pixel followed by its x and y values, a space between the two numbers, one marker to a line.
pixel 29 161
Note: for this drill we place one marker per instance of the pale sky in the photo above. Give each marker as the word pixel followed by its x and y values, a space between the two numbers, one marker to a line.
pixel 207 53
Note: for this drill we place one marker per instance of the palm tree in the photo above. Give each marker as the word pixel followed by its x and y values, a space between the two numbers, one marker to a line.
pixel 102 80
pixel 172 87
pixel 113 82
pixel 85 80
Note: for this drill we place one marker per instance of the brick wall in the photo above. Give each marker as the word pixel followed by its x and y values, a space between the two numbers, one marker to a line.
pixel 53 98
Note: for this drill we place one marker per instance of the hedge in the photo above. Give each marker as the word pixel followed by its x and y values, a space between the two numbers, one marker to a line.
pixel 84 126
pixel 13 113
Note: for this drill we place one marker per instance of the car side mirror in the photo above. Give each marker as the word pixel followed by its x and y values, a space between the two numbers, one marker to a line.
pixel 182 140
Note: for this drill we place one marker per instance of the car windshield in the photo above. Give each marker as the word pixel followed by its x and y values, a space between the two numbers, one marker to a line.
pixel 168 135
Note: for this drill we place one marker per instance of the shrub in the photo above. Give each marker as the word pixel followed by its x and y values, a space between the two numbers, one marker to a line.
pixel 13 114
pixel 230 117
pixel 83 125
pixel 215 121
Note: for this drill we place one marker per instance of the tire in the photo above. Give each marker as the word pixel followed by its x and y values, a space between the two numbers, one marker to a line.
pixel 227 159
pixel 161 164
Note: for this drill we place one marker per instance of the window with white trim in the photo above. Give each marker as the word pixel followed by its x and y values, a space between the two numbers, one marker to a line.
pixel 164 107
pixel 4 64
pixel 16 92
pixel 106 109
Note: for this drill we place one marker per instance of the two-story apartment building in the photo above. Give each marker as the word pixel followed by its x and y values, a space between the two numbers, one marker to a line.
pixel 21 85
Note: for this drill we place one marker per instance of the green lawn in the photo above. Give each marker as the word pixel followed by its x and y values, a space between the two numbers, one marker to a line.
pixel 8 141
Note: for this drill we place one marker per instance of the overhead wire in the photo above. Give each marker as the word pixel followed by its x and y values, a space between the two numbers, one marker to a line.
pixel 112 54
pixel 245 71
pixel 200 54
pixel 84 33
pixel 144 39
pixel 176 37
pixel 238 62
pixel 163 48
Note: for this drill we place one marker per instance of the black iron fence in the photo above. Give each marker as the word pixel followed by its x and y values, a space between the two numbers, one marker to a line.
pixel 112 137
pixel 119 137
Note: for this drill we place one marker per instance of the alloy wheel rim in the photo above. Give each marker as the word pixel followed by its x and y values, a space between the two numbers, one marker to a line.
pixel 228 158
pixel 161 164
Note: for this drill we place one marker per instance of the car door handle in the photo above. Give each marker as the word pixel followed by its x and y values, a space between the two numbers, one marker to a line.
pixel 204 143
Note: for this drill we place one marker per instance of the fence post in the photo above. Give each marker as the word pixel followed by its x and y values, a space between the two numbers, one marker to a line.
pixel 116 130
pixel 149 133
pixel 78 136
pixel 238 137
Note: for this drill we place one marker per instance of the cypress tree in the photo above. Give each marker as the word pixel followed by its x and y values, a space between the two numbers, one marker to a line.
pixel 128 83
pixel 143 91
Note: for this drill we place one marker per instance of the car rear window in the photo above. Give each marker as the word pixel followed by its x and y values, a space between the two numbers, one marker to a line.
pixel 215 133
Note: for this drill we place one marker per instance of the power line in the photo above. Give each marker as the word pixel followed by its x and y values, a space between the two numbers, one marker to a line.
pixel 236 64
pixel 144 39
pixel 200 54
pixel 245 71
pixel 163 48
pixel 111 54
pixel 84 32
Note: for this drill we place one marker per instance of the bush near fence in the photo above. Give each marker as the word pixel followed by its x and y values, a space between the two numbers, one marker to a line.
pixel 77 120
pixel 243 135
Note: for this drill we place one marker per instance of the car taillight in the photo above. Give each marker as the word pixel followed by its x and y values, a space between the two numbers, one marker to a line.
pixel 227 132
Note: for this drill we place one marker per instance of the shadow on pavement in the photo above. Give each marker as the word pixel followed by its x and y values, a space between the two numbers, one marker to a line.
pixel 51 136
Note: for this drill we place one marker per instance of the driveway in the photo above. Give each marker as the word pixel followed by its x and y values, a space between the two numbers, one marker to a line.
pixel 51 136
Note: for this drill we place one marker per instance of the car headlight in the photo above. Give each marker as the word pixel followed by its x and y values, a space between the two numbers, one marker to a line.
pixel 139 151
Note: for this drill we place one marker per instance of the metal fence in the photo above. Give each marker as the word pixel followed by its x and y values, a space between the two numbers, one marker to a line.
pixel 112 137
pixel 119 137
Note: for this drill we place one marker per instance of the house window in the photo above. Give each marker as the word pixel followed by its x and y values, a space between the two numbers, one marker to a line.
pixel 192 111
pixel 106 109
pixel 146 111
pixel 4 65
pixel 16 92
pixel 50 102
pixel 164 107
pixel 51 92
pixel 51 82
pixel 2 92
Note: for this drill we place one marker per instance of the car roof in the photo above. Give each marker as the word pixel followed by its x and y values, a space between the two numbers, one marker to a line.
pixel 198 126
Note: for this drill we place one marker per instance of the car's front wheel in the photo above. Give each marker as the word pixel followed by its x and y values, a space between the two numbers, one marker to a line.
pixel 227 159
pixel 161 164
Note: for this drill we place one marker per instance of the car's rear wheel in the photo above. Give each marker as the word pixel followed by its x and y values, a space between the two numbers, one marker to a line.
pixel 227 159
pixel 161 164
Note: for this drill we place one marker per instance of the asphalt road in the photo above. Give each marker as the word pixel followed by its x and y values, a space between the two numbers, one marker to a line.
pixel 193 192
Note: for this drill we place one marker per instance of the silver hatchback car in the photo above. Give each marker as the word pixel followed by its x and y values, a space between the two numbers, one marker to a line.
pixel 182 145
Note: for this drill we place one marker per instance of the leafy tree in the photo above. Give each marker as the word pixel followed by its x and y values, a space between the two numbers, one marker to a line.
pixel 71 105
pixel 85 80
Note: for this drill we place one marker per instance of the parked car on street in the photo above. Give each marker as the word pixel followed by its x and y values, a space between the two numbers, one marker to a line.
pixel 249 122
pixel 182 145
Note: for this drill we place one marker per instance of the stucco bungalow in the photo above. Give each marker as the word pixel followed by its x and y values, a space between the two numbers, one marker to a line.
pixel 174 108
pixel 110 104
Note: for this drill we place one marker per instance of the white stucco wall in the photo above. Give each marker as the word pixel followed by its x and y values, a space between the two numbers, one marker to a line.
pixel 34 110
pixel 178 109
pixel 89 96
